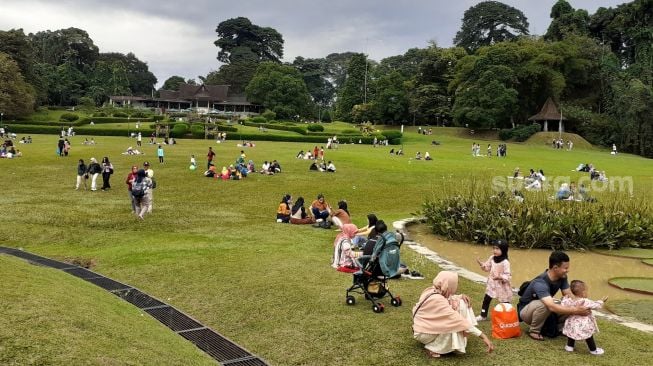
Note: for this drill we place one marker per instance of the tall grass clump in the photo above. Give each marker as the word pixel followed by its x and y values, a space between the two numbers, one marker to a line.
pixel 471 212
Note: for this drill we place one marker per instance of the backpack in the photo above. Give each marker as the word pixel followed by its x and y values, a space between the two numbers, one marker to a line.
pixel 522 287
pixel 153 182
pixel 138 189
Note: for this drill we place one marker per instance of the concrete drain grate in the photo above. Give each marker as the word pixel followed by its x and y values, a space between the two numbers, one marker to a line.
pixel 215 345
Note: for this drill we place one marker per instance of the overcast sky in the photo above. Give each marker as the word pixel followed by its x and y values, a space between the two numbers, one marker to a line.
pixel 176 37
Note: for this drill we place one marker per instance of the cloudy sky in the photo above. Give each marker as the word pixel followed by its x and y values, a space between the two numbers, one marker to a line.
pixel 176 37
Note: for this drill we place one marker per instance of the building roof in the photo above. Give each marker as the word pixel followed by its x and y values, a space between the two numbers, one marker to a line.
pixel 218 94
pixel 549 112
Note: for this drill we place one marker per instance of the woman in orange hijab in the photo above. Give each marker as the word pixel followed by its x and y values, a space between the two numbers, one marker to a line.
pixel 441 318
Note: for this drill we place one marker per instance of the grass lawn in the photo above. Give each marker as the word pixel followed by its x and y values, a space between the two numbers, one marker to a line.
pixel 212 249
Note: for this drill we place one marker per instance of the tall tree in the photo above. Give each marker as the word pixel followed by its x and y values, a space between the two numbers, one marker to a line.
pixel 490 22
pixel 71 45
pixel 141 80
pixel 16 95
pixel 173 82
pixel 264 42
pixel 316 79
pixel 566 21
pixel 353 91
pixel 243 46
pixel 280 88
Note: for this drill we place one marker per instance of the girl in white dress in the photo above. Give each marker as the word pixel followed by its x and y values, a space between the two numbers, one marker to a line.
pixel 581 327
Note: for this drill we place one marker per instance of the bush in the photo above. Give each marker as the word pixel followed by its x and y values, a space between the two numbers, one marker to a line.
pixel 258 119
pixel 537 222
pixel 159 117
pixel 179 130
pixel 315 127
pixel 139 114
pixel 523 133
pixel 69 117
pixel 120 115
pixel 269 115
pixel 505 134
pixel 391 134
pixel 99 114
pixel 197 130
pixel 350 131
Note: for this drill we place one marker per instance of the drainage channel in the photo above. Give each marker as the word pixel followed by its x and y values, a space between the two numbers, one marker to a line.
pixel 214 344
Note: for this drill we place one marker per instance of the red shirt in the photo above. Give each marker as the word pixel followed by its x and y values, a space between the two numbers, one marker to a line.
pixel 210 155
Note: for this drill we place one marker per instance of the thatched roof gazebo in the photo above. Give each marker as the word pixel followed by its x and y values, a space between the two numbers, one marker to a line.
pixel 549 112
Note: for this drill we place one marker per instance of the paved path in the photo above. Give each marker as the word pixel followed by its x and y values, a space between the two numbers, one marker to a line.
pixel 475 277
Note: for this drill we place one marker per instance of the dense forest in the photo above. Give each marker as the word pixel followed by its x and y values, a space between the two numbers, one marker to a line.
pixel 597 67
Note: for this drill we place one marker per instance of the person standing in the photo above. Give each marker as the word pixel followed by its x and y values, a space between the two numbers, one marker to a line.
pixel 107 170
pixel 94 169
pixel 209 157
pixel 60 146
pixel 152 185
pixel 139 139
pixel 131 177
pixel 140 188
pixel 81 174
pixel 159 153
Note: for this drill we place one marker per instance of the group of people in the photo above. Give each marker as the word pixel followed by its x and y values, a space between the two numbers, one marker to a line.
pixel 92 171
pixel 316 153
pixel 424 131
pixel 501 150
pixel 321 166
pixel 427 156
pixel 595 174
pixel 559 143
pixel 63 146
pixel 569 192
pixel 442 318
pixel 25 140
pixel 9 152
pixel 140 186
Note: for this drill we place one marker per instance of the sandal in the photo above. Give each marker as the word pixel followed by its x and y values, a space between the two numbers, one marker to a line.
pixel 431 354
pixel 536 336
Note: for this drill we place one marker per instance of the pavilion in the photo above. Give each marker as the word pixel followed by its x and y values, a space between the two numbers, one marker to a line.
pixel 549 112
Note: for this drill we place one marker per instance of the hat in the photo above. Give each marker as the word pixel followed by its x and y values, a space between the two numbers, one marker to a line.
pixel 147 163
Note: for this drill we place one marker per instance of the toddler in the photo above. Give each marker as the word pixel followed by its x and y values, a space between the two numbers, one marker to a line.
pixel 498 282
pixel 192 160
pixel 581 327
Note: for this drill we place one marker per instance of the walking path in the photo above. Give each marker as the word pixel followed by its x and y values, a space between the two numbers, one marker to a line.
pixel 475 277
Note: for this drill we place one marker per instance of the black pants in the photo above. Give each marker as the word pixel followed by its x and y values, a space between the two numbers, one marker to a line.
pixel 590 343
pixel 105 180
pixel 486 305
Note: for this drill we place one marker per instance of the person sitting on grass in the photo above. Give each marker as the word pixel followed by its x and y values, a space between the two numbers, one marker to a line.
pixel 298 215
pixel 536 301
pixel 314 166
pixel 442 320
pixel 283 212
pixel 320 208
pixel 330 168
pixel 427 156
pixel 363 233
pixel 418 156
pixel 340 216
pixel 210 173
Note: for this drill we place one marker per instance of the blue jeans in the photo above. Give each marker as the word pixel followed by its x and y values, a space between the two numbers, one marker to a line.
pixel 319 214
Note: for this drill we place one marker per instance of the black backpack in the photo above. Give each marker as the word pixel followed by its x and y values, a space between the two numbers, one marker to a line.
pixel 138 189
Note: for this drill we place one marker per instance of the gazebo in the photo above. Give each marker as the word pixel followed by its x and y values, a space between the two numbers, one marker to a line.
pixel 549 112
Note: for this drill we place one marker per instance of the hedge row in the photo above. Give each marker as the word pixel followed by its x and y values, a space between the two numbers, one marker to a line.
pixel 299 130
pixel 97 120
pixel 521 133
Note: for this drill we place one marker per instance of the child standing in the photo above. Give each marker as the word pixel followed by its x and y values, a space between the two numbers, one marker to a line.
pixel 192 161
pixel 581 327
pixel 159 153
pixel 498 282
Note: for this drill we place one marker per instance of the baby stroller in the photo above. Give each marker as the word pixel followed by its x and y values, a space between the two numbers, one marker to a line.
pixel 371 281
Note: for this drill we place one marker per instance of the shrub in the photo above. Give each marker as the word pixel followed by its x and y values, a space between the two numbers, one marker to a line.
pixel 269 115
pixel 614 221
pixel 315 127
pixel 391 134
pixel 69 117
pixel 523 133
pixel 258 119
pixel 197 130
pixel 139 114
pixel 505 134
pixel 99 114
pixel 179 130
pixel 120 115
pixel 350 131
pixel 159 117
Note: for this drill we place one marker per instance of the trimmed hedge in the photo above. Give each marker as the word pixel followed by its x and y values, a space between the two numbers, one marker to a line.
pixel 391 134
pixel 299 130
pixel 521 133
pixel 69 117
pixel 315 128
pixel 98 120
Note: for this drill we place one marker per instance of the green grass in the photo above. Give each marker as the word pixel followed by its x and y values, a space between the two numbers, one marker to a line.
pixel 641 310
pixel 629 253
pixel 212 248
pixel 639 284
pixel 648 261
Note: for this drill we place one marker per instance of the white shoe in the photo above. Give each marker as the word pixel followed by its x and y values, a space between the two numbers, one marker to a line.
pixel 480 318
pixel 598 351
pixel 569 349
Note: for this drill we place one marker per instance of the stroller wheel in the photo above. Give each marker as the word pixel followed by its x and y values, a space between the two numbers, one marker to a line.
pixel 351 300
pixel 396 301
pixel 377 308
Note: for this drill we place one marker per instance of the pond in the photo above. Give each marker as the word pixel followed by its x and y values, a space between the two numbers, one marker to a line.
pixel 594 269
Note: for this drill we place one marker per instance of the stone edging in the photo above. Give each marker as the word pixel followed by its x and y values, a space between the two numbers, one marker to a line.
pixel 434 257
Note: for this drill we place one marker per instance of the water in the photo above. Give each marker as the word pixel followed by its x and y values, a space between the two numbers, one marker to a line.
pixel 594 269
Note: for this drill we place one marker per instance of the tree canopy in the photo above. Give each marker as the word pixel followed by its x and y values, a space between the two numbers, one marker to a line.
pixel 489 22
pixel 280 88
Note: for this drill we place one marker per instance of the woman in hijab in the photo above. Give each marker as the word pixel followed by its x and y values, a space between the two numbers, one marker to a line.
pixel 441 318
pixel 298 215
pixel 343 255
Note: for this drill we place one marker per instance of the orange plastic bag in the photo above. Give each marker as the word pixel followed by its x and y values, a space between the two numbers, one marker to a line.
pixel 505 322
